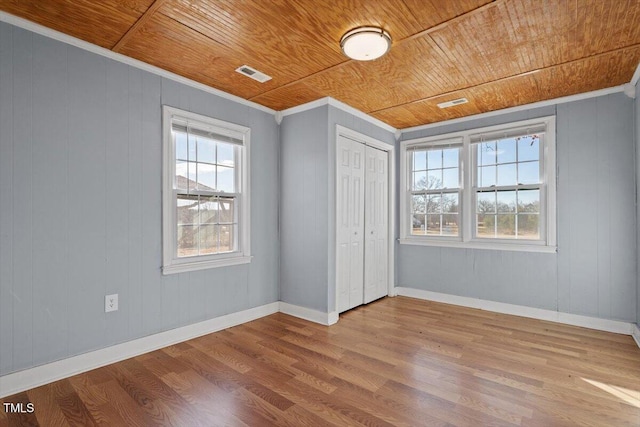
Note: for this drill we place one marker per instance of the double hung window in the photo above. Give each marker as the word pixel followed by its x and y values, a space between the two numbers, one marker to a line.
pixel 487 188
pixel 206 200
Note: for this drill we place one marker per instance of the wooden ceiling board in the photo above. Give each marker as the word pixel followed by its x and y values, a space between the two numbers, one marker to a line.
pixel 189 54
pixel 425 72
pixel 585 75
pixel 277 37
pixel 289 96
pixel 333 18
pixel 429 13
pixel 99 22
pixel 517 36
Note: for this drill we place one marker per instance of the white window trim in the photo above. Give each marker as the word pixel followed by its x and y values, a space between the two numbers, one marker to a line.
pixel 466 240
pixel 171 263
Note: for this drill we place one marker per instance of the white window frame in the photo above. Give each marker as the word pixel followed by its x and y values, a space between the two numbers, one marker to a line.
pixel 467 239
pixel 171 262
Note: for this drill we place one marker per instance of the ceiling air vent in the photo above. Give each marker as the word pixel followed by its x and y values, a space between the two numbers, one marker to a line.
pixel 452 103
pixel 253 73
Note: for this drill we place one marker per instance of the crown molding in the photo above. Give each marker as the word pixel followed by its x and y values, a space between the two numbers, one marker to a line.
pixel 341 106
pixel 364 116
pixel 555 101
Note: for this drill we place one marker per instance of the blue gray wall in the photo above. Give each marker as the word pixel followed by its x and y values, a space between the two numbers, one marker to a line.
pixel 308 143
pixel 303 214
pixel 594 271
pixel 80 205
pixel 636 106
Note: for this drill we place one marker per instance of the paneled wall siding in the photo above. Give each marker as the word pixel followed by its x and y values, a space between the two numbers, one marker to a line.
pixel 594 270
pixel 303 209
pixel 80 205
pixel 637 123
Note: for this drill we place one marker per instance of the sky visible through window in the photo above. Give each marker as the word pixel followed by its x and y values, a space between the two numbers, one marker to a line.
pixel 205 162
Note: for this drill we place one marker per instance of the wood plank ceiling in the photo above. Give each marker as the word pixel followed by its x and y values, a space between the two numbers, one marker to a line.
pixel 497 54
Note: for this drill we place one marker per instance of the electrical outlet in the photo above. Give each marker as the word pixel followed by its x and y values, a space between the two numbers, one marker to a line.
pixel 111 303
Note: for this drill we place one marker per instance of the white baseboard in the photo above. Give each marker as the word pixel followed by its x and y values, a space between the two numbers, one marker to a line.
pixel 309 314
pixel 635 333
pixel 607 325
pixel 44 374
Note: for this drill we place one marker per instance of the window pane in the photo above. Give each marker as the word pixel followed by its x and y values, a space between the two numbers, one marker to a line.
pixel 487 153
pixel 418 204
pixel 529 201
pixel 506 227
pixel 419 160
pixel 433 204
pixel 506 150
pixel 185 175
pixel 450 203
pixel 208 239
pixel 226 154
pixel 434 179
pixel 528 148
pixel 485 226
pixel 506 201
pixel 450 158
pixel 486 176
pixel 507 174
pixel 206 176
pixel 187 209
pixel 226 210
pixel 418 227
pixel 529 173
pixel 227 239
pixel 450 225
pixel 450 178
pixel 486 202
pixel 206 150
pixel 226 178
pixel 181 145
pixel 528 226
pixel 420 180
pixel 208 210
pixel 181 181
pixel 433 224
pixel 434 160
pixel 187 240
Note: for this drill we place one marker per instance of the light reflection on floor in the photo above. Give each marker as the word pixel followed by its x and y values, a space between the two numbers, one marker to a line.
pixel 631 397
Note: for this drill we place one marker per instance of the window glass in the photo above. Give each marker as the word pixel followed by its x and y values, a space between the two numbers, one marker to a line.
pixel 205 195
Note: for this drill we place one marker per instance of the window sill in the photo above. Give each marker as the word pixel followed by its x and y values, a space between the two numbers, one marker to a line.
pixel 497 246
pixel 185 267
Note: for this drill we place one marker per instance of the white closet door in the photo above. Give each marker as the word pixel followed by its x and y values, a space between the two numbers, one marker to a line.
pixel 376 225
pixel 350 223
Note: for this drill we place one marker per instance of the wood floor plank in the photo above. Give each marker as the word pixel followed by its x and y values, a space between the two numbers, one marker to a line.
pixel 395 362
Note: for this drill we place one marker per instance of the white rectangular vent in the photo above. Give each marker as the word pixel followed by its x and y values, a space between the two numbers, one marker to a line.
pixel 452 103
pixel 253 73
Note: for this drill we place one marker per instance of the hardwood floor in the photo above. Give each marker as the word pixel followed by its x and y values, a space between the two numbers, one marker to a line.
pixel 397 361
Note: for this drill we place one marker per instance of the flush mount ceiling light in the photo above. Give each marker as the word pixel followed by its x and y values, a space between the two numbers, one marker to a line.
pixel 365 43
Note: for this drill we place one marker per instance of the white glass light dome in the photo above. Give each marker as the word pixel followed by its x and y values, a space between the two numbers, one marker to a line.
pixel 365 43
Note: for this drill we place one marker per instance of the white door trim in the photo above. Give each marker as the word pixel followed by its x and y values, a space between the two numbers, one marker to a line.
pixel 391 151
